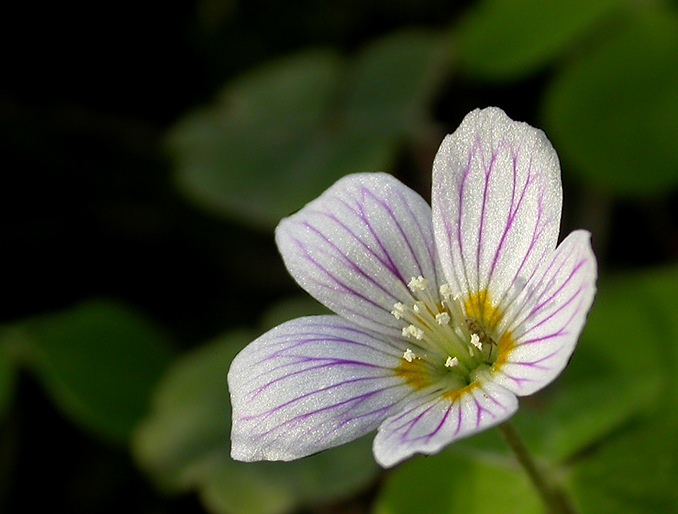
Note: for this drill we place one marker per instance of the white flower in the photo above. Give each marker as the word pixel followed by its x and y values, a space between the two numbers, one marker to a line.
pixel 444 316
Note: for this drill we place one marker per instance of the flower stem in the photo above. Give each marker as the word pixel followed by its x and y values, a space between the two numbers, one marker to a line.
pixel 555 498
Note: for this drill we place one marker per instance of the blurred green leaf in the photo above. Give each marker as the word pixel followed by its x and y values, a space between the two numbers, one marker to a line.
pixel 582 415
pixel 633 329
pixel 619 325
pixel 98 361
pixel 184 445
pixel 8 370
pixel 661 301
pixel 280 135
pixel 392 82
pixel 241 156
pixel 189 420
pixel 505 39
pixel 451 483
pixel 613 113
pixel 662 305
pixel 636 473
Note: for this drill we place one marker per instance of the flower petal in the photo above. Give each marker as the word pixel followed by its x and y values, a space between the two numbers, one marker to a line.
pixel 547 317
pixel 496 200
pixel 427 425
pixel 357 246
pixel 308 385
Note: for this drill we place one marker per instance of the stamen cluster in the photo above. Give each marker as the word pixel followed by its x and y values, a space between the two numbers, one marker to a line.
pixel 440 333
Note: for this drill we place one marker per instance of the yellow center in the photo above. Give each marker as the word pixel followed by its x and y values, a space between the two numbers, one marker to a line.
pixel 449 340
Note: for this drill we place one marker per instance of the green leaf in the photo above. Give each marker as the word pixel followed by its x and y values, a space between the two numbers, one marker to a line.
pixel 392 83
pixel 661 304
pixel 613 113
pixel 8 372
pixel 184 445
pixel 189 421
pixel 572 417
pixel 451 483
pixel 280 135
pixel 619 326
pixel 98 361
pixel 246 156
pixel 636 473
pixel 505 39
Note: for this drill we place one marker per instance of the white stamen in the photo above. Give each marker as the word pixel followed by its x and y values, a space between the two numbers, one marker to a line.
pixel 409 355
pixel 413 331
pixel 451 362
pixel 443 318
pixel 475 341
pixel 398 310
pixel 418 284
pixel 446 290
pixel 438 319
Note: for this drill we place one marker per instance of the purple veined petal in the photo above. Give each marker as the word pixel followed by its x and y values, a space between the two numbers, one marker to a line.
pixel 549 314
pixel 357 246
pixel 427 425
pixel 308 385
pixel 497 199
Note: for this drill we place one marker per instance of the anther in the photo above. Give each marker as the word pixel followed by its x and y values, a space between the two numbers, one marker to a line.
pixel 409 355
pixel 446 291
pixel 443 318
pixel 413 331
pixel 418 284
pixel 451 362
pixel 398 310
pixel 475 341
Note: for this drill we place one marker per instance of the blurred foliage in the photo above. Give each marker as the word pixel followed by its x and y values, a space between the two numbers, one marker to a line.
pixel 635 472
pixel 504 39
pixel 167 202
pixel 8 370
pixel 98 361
pixel 614 110
pixel 450 482
pixel 279 136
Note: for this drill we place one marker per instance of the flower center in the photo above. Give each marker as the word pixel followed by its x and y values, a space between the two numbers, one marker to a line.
pixel 449 340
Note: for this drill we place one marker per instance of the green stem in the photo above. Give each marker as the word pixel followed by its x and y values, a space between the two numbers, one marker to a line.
pixel 554 497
